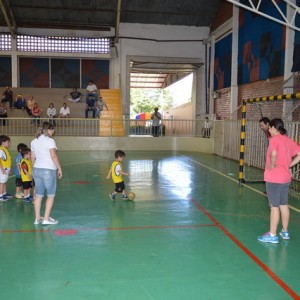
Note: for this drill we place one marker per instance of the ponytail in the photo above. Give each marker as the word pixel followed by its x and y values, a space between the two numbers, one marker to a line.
pixel 44 129
pixel 278 124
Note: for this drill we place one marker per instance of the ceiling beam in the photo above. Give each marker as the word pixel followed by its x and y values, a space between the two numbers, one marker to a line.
pixel 9 17
pixel 287 20
pixel 118 21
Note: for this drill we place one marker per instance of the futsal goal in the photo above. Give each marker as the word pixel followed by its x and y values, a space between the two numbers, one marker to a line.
pixel 254 142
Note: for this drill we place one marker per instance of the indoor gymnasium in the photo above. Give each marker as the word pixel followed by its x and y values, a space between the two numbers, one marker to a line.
pixel 187 208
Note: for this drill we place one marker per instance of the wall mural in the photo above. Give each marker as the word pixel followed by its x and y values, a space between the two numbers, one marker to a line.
pixel 97 71
pixel 261 47
pixel 5 71
pixel 65 73
pixel 34 72
pixel 222 64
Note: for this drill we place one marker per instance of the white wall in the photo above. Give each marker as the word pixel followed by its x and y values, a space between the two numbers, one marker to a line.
pixel 142 40
pixel 186 45
pixel 125 143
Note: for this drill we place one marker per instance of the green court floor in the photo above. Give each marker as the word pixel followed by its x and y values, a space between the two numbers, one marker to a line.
pixel 190 234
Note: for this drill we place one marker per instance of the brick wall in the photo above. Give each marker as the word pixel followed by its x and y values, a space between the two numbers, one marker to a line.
pixel 222 103
pixel 224 14
pixel 252 90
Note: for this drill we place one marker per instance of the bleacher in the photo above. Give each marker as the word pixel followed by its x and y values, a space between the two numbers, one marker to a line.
pixel 110 121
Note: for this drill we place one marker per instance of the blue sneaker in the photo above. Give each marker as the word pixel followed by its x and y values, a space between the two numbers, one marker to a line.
pixel 284 234
pixel 112 196
pixel 7 196
pixel 125 197
pixel 267 238
pixel 27 200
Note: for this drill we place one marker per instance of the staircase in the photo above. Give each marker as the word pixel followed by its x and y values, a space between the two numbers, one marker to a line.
pixel 111 121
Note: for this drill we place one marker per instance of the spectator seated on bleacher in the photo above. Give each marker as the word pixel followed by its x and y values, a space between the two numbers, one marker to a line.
pixel 19 103
pixel 65 113
pixel 36 115
pixel 29 105
pixel 51 113
pixel 99 106
pixel 8 96
pixel 91 90
pixel 3 114
pixel 75 96
pixel 90 106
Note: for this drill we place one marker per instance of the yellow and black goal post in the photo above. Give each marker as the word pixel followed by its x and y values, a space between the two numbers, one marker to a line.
pixel 259 100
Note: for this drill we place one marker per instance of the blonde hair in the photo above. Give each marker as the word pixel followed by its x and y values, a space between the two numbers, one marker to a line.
pixel 44 129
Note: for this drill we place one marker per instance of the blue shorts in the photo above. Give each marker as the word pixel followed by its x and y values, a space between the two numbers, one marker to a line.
pixel 45 180
pixel 278 193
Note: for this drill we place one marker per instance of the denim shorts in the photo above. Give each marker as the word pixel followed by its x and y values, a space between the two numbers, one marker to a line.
pixel 278 193
pixel 45 179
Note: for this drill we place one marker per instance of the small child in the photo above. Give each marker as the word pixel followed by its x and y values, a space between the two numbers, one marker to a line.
pixel 26 174
pixel 18 159
pixel 116 173
pixel 5 166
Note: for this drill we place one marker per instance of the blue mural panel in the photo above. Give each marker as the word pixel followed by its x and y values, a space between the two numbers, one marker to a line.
pixel 95 70
pixel 34 72
pixel 222 63
pixel 65 73
pixel 5 71
pixel 261 47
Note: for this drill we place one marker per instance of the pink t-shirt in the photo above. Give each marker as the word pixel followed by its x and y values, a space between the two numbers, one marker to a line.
pixel 286 149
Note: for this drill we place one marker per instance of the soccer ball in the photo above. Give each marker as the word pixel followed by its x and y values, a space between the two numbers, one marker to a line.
pixel 19 195
pixel 131 196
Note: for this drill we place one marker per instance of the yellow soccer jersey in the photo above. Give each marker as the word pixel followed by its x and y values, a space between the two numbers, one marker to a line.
pixel 5 158
pixel 115 168
pixel 26 165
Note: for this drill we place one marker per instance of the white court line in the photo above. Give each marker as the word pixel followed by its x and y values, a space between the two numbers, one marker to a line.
pixel 235 180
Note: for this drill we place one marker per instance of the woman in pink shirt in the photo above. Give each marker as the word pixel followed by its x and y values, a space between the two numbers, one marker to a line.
pixel 282 154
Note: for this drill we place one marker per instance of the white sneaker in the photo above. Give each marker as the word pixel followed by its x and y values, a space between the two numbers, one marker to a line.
pixel 49 222
pixel 37 222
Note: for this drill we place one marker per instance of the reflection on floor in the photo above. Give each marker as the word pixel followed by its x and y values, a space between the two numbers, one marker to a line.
pixel 190 234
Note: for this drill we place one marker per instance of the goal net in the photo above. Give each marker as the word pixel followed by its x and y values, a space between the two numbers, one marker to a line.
pixel 254 142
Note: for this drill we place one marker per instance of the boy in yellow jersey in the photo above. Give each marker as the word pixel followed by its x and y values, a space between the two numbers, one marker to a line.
pixel 5 166
pixel 116 173
pixel 26 174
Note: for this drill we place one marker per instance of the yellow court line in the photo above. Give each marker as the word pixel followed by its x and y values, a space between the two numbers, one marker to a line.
pixel 235 180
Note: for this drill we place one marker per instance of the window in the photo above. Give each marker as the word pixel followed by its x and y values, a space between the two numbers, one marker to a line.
pixel 63 44
pixel 5 42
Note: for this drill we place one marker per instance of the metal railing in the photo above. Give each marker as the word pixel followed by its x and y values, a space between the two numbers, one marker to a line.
pixel 99 127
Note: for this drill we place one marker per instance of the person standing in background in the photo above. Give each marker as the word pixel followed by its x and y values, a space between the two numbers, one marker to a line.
pixel 156 118
pixel 264 126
